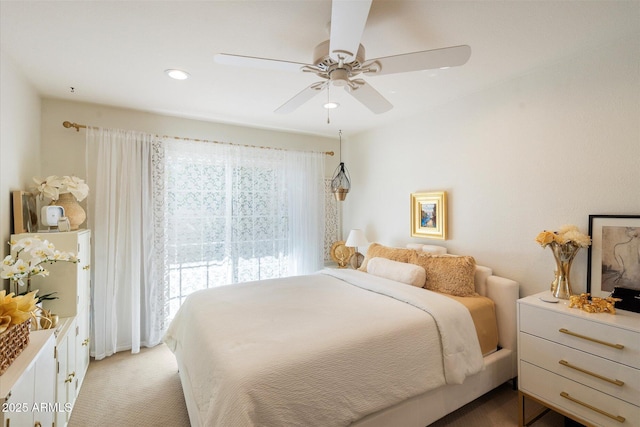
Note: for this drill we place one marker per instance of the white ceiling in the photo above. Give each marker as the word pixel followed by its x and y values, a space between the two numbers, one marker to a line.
pixel 115 52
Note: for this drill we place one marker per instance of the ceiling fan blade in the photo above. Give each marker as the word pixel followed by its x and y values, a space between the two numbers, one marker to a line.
pixel 424 60
pixel 369 97
pixel 348 18
pixel 253 62
pixel 302 97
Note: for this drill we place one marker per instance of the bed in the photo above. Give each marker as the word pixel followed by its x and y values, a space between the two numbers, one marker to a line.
pixel 344 347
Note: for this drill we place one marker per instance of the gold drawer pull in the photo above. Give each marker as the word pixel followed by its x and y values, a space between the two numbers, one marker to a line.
pixel 568 332
pixel 618 418
pixel 86 267
pixel 593 374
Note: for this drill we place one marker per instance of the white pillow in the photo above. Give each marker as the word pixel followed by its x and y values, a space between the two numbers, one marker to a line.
pixel 427 248
pixel 433 249
pixel 415 246
pixel 411 274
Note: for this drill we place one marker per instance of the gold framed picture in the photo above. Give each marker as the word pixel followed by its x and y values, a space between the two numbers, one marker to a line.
pixel 429 215
pixel 25 217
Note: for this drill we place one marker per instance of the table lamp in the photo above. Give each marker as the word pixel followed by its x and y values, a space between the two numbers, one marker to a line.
pixel 356 238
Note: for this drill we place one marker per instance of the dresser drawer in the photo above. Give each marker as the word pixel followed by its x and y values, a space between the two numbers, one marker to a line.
pixel 559 391
pixel 581 333
pixel 609 377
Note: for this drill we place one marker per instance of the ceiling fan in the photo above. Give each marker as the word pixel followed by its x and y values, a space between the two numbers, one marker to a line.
pixel 341 59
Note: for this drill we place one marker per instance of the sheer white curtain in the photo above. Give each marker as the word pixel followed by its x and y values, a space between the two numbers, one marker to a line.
pixel 127 287
pixel 171 216
pixel 305 184
pixel 234 214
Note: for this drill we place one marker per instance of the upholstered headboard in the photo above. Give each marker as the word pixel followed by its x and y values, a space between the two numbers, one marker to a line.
pixel 504 292
pixel 440 250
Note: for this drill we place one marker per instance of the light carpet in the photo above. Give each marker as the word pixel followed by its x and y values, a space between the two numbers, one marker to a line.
pixel 144 390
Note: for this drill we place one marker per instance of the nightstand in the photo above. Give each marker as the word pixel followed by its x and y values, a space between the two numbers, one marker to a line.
pixel 585 366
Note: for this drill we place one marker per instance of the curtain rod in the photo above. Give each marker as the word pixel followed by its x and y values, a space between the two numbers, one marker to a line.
pixel 77 127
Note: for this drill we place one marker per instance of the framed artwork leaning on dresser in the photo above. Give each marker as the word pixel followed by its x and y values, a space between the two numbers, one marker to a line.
pixel 614 255
pixel 25 216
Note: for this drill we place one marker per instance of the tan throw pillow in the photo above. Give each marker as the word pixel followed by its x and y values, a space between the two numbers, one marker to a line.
pixel 380 251
pixel 452 275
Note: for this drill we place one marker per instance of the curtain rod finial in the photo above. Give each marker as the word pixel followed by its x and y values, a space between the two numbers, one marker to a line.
pixel 71 125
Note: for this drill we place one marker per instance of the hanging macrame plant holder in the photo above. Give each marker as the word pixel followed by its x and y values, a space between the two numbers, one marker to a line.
pixel 341 182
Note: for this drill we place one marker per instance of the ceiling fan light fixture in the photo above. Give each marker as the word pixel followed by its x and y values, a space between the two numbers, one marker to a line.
pixel 336 65
pixel 331 105
pixel 339 77
pixel 177 74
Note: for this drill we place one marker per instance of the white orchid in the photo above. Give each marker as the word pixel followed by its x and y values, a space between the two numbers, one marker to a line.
pixel 27 244
pixel 35 252
pixel 52 186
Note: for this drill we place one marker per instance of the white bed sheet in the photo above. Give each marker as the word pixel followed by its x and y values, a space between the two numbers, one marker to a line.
pixel 325 349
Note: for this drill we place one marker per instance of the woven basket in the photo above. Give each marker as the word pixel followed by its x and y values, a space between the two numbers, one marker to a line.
pixel 12 342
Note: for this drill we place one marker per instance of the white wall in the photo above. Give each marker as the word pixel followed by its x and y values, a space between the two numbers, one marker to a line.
pixel 19 140
pixel 536 152
pixel 542 150
pixel 63 150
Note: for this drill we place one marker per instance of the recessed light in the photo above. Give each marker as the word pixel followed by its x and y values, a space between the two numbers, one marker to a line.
pixel 177 74
pixel 331 105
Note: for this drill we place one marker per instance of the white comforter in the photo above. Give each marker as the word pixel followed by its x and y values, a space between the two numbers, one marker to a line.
pixel 319 350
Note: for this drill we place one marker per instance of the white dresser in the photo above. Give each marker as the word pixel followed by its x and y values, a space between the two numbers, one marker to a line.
pixel 27 390
pixel 72 285
pixel 585 366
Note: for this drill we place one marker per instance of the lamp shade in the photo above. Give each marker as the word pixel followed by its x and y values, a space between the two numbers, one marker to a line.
pixel 356 238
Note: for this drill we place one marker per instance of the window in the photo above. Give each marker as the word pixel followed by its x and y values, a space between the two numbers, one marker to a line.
pixel 228 215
